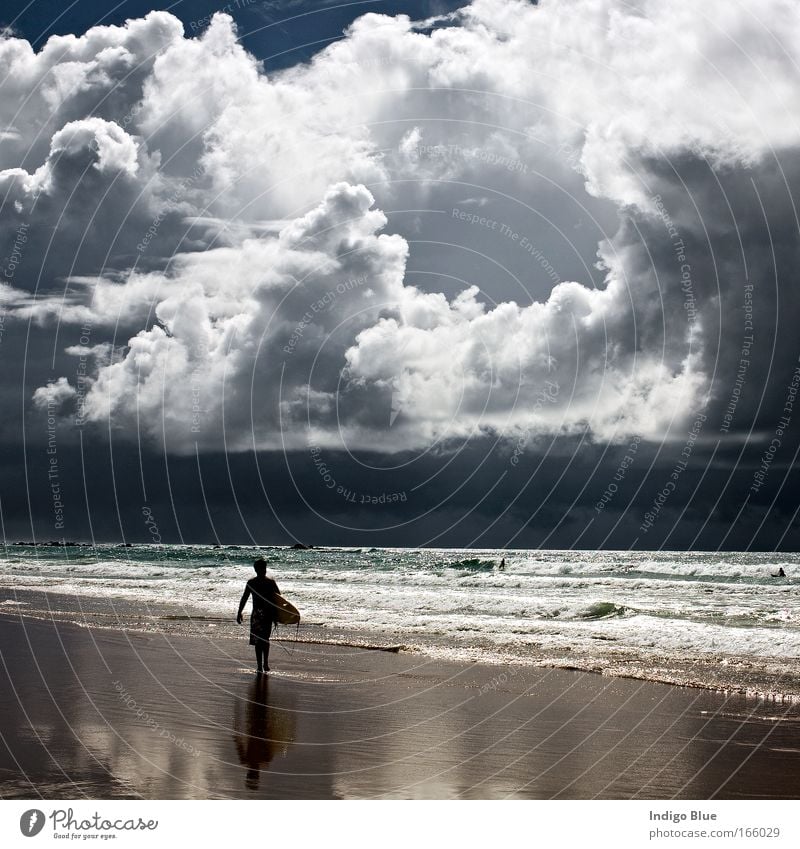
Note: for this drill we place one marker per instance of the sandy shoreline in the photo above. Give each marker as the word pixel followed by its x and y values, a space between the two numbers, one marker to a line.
pixel 101 713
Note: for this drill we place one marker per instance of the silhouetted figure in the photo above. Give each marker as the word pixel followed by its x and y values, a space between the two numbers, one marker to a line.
pixel 779 574
pixel 263 590
pixel 503 565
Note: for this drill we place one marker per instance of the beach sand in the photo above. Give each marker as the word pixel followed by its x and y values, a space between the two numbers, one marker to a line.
pixel 99 713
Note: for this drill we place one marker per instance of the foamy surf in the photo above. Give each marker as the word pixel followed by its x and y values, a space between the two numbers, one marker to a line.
pixel 699 619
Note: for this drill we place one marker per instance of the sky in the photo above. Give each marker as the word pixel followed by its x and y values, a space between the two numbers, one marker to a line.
pixel 497 274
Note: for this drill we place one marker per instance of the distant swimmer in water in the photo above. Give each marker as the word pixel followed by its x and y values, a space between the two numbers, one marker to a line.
pixel 502 564
pixel 779 574
pixel 263 590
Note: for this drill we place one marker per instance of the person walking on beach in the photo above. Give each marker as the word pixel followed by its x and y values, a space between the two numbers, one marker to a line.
pixel 263 590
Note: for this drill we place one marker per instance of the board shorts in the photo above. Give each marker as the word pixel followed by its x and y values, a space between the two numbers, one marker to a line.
pixel 260 627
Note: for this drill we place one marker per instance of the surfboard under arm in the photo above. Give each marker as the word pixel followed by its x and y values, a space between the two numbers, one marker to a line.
pixel 285 612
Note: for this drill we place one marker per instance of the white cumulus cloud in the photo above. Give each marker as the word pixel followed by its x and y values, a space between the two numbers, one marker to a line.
pixel 251 246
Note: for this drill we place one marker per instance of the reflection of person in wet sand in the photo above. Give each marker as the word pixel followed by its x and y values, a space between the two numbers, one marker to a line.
pixel 261 732
pixel 263 590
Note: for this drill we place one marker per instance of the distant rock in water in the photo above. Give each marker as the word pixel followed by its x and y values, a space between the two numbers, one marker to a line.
pixel 474 563
pixel 299 546
pixel 56 543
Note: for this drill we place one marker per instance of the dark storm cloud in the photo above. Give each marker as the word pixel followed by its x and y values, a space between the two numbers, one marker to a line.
pixel 739 228
pixel 563 500
pixel 392 251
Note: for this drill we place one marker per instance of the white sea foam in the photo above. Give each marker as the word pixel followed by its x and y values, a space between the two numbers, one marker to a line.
pixel 598 606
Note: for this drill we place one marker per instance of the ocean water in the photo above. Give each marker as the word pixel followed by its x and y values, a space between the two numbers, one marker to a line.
pixel 710 619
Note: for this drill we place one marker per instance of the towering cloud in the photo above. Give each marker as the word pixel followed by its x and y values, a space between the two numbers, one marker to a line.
pixel 515 220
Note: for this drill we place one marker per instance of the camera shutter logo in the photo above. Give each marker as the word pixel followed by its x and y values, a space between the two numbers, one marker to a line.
pixel 31 822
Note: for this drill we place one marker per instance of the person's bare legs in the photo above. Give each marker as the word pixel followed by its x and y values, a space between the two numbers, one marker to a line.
pixel 259 657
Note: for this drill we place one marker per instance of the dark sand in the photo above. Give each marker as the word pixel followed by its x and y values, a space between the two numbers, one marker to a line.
pixel 92 713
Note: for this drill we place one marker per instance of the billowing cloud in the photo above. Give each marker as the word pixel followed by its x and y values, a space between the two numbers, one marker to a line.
pixel 260 256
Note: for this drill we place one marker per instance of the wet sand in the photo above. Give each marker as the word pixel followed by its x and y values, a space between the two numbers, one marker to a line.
pixel 95 713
